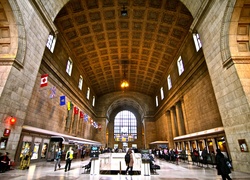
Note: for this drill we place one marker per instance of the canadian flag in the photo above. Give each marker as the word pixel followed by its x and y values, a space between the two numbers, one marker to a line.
pixel 44 80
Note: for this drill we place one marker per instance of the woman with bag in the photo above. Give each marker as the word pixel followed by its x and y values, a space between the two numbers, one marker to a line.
pixel 130 163
pixel 221 165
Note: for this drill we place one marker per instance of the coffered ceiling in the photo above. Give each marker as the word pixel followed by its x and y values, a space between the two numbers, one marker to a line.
pixel 142 44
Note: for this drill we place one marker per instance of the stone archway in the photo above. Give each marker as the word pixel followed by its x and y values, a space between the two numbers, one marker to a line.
pixel 108 104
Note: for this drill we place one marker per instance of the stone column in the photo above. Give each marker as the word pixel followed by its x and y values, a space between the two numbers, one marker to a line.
pixel 100 132
pixel 170 134
pixel 189 145
pixel 173 122
pixel 149 131
pixel 214 144
pixel 179 117
pixel 184 116
pixel 183 146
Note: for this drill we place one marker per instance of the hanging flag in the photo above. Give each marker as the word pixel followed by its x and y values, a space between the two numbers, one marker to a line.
pixel 53 92
pixel 76 110
pixel 81 114
pixel 44 80
pixel 62 100
pixel 70 105
pixel 85 117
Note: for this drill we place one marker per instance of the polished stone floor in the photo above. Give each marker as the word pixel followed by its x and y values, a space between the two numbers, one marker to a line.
pixel 168 171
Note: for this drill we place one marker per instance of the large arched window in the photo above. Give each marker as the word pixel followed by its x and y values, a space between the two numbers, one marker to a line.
pixel 125 126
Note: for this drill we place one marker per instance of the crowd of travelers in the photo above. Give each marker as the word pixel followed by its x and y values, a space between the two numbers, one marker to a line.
pixel 200 157
pixel 222 163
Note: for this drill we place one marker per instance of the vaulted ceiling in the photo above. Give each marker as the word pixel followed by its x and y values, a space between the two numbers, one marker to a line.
pixel 142 44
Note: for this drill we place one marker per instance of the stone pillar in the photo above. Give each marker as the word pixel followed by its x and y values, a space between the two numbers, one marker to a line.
pixel 100 132
pixel 173 122
pixel 170 134
pixel 179 117
pixel 189 145
pixel 75 123
pixel 186 130
pixel 214 144
pixel 149 131
pixel 183 146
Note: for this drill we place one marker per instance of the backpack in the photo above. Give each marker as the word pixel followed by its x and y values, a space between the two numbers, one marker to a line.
pixel 127 158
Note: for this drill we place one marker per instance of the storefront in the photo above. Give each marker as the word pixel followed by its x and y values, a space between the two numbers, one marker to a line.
pixel 212 139
pixel 33 145
pixel 36 145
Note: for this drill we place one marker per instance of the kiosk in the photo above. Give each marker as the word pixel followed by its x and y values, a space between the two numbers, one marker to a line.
pixel 145 162
pixel 95 162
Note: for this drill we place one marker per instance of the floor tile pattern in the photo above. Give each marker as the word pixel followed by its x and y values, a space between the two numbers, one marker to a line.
pixel 168 171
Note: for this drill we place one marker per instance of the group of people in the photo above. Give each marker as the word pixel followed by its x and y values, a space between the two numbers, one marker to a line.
pixel 221 162
pixel 68 159
pixel 222 166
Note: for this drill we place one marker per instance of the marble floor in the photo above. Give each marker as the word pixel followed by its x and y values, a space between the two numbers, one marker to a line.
pixel 168 171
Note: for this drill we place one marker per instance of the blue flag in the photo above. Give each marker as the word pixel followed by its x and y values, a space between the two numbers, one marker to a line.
pixel 85 117
pixel 62 100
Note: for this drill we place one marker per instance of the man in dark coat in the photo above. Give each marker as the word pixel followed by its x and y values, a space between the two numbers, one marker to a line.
pixel 4 162
pixel 222 167
pixel 204 155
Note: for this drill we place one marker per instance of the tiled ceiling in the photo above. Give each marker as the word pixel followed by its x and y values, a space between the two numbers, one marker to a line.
pixel 142 44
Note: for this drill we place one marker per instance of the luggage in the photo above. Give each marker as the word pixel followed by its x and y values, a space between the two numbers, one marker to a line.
pixel 155 166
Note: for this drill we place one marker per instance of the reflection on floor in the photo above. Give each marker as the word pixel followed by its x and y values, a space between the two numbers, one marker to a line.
pixel 168 171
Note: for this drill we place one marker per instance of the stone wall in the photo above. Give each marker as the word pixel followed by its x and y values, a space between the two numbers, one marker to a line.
pixel 18 88
pixel 43 110
pixel 226 78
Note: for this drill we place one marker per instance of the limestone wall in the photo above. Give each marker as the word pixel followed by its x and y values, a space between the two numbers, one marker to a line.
pixel 227 79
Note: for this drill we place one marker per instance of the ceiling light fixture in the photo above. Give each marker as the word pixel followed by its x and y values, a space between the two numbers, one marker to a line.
pixel 124 83
pixel 124 12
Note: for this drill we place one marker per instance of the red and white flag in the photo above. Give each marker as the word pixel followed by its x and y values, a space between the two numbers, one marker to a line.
pixel 76 110
pixel 81 114
pixel 44 80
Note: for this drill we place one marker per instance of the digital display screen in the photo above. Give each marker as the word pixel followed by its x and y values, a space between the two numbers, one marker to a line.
pixel 94 148
pixel 145 155
pixel 94 152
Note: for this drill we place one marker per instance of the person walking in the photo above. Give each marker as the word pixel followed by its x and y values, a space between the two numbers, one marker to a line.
pixel 68 158
pixel 58 159
pixel 130 164
pixel 221 165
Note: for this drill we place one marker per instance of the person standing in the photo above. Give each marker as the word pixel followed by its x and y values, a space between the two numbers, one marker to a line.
pixel 68 158
pixel 130 164
pixel 58 159
pixel 221 165
pixel 83 151
pixel 204 155
pixel 4 162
